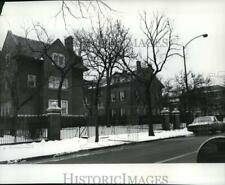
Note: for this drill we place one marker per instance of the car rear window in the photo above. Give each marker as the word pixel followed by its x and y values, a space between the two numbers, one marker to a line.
pixel 203 119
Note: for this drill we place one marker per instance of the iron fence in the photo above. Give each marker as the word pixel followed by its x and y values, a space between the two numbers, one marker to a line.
pixel 23 129
pixel 32 128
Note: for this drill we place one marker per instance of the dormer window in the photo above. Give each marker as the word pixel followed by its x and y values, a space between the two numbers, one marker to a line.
pixel 59 59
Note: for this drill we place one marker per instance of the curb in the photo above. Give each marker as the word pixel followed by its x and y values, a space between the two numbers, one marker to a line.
pixel 24 160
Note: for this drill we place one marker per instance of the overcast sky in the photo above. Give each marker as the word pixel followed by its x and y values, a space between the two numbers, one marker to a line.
pixel 190 18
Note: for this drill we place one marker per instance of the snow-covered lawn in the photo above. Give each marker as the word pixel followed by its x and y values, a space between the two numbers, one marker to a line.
pixel 43 148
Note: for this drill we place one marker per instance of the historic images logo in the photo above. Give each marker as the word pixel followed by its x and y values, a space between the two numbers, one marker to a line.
pixel 70 178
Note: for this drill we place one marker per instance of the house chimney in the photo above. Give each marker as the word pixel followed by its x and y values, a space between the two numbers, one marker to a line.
pixel 138 64
pixel 69 43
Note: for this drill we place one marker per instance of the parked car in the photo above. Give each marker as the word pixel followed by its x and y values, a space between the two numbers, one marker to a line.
pixel 206 124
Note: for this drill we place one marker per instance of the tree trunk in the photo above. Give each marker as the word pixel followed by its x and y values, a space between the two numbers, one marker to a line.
pixel 149 110
pixel 95 114
pixel 108 102
pixel 14 123
pixel 95 119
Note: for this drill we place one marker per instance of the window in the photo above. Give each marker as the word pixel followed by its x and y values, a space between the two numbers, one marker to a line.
pixel 122 111
pixel 122 95
pixel 65 84
pixel 31 81
pixel 113 97
pixel 86 101
pixel 53 82
pixel 59 59
pixel 50 102
pixel 100 106
pixel 6 109
pixel 113 112
pixel 64 105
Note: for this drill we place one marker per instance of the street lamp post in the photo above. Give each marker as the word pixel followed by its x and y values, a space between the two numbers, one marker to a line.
pixel 184 56
pixel 185 69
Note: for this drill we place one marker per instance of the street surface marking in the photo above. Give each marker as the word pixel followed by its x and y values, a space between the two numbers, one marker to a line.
pixel 177 157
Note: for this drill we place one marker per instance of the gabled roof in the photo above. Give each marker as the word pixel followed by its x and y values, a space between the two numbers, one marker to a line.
pixel 34 49
pixel 25 46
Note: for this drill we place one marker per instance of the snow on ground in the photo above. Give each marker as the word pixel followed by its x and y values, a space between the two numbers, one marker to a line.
pixel 43 148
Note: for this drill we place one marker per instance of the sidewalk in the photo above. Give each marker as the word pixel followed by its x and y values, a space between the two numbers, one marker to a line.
pixel 16 153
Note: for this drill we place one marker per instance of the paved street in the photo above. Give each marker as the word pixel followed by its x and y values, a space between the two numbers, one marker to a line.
pixel 176 150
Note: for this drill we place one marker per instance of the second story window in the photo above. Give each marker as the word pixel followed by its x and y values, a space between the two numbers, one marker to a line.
pixel 65 84
pixel 122 95
pixel 59 59
pixel 31 81
pixel 53 83
pixel 113 97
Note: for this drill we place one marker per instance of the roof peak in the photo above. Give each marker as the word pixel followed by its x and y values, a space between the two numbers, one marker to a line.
pixel 21 37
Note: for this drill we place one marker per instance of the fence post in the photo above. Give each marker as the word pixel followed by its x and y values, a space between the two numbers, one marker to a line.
pixel 54 118
pixel 166 114
pixel 176 114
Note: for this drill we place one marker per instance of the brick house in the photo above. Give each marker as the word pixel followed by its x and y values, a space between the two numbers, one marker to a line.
pixel 127 96
pixel 35 79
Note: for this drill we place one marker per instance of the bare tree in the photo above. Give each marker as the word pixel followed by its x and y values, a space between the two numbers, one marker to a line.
pixel 96 73
pixel 196 81
pixel 105 47
pixel 161 46
pixel 167 92
pixel 198 95
pixel 81 8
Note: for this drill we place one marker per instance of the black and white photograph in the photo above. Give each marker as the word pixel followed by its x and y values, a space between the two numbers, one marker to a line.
pixel 112 91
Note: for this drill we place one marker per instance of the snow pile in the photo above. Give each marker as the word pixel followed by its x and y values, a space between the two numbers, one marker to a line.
pixel 44 148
